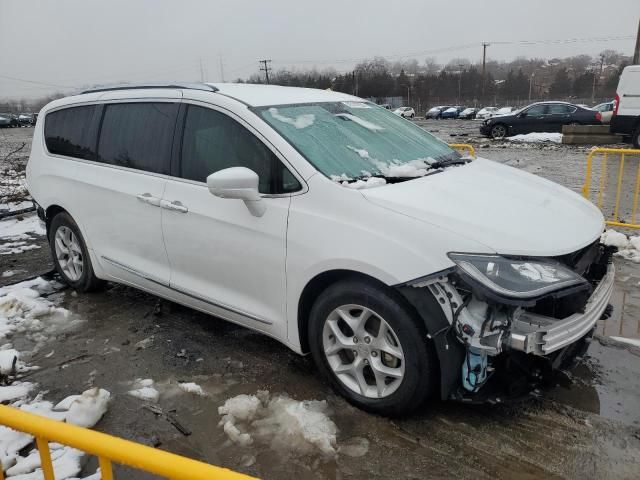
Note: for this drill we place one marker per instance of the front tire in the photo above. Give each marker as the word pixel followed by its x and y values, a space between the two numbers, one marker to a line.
pixel 498 131
pixel 70 255
pixel 367 343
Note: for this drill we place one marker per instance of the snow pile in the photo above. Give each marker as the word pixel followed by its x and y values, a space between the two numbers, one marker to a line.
pixel 630 341
pixel 17 244
pixel 301 121
pixel 23 310
pixel 628 247
pixel 144 389
pixel 8 273
pixel 190 387
pixel 288 425
pixel 535 137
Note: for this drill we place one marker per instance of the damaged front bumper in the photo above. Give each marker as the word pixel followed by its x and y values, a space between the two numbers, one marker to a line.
pixel 542 335
pixel 496 348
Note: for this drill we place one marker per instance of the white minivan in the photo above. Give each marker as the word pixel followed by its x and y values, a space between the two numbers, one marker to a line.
pixel 626 106
pixel 330 224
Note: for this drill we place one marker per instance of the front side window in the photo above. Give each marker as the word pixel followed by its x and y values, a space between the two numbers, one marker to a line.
pixel 71 132
pixel 355 139
pixel 138 135
pixel 212 141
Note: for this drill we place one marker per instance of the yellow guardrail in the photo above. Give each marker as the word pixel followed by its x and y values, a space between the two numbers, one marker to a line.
pixel 464 146
pixel 108 449
pixel 622 187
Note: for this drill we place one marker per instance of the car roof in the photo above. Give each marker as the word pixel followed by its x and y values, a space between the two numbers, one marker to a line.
pixel 257 95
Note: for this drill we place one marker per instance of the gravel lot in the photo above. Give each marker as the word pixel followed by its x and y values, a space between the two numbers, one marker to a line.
pixel 588 426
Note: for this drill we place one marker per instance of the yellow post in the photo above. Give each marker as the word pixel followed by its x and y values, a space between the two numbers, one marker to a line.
pixel 45 458
pixel 464 146
pixel 586 188
pixel 618 188
pixel 106 472
pixel 635 195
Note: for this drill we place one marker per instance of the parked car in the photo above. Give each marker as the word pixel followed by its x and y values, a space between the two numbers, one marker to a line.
pixel 626 111
pixel 406 112
pixel 606 111
pixel 504 111
pixel 539 117
pixel 8 120
pixel 486 112
pixel 248 213
pixel 468 113
pixel 435 112
pixel 26 119
pixel 451 112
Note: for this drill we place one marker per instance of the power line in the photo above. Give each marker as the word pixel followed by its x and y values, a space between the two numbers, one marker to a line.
pixel 35 82
pixel 266 68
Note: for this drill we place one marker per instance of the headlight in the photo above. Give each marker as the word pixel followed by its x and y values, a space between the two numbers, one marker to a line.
pixel 519 279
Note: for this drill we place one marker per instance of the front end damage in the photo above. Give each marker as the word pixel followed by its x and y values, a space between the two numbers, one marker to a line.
pixel 511 322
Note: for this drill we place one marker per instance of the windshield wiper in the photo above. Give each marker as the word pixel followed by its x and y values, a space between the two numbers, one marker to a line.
pixel 449 162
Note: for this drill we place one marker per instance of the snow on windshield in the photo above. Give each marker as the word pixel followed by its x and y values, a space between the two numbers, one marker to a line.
pixel 356 140
pixel 301 121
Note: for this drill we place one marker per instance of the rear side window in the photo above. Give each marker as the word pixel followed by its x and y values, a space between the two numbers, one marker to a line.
pixel 71 132
pixel 138 135
pixel 213 141
pixel 561 109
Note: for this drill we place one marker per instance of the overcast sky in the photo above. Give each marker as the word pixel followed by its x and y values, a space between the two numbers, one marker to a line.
pixel 74 43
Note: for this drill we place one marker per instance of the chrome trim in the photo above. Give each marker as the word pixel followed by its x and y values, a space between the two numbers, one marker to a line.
pixel 135 272
pixel 187 292
pixel 545 335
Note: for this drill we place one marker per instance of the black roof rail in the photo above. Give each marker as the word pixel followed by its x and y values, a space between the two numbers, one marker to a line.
pixel 136 86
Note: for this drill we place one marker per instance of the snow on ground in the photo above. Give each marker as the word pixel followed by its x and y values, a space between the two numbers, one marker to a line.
pixel 288 425
pixel 15 206
pixel 13 228
pixel 190 387
pixel 628 247
pixel 631 341
pixel 537 137
pixel 26 314
pixel 144 389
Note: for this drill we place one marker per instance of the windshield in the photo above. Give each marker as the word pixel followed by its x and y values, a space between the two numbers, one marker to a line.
pixel 350 140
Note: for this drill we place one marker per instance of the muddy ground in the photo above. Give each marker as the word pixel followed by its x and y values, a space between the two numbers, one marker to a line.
pixel 588 426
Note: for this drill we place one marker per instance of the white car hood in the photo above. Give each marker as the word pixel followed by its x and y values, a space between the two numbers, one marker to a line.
pixel 510 211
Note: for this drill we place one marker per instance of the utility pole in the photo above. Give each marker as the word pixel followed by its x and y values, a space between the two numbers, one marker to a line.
pixel 460 65
pixel 265 68
pixel 221 69
pixel 530 85
pixel 636 54
pixel 201 71
pixel 484 64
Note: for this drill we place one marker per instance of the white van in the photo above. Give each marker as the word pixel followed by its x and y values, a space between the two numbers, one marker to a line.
pixel 626 110
pixel 330 224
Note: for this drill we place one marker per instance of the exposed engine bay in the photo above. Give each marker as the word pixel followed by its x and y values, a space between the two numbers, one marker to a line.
pixel 510 340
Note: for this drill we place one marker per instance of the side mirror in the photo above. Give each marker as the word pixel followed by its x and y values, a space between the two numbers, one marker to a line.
pixel 523 114
pixel 238 183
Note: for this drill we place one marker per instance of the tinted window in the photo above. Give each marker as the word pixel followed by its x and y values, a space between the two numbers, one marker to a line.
pixel 212 141
pixel 138 135
pixel 561 109
pixel 537 110
pixel 71 132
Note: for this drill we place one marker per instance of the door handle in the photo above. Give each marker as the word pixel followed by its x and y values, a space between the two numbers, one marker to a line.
pixel 175 206
pixel 148 198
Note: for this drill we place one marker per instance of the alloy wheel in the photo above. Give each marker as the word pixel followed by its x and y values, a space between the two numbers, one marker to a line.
pixel 499 132
pixel 363 351
pixel 69 253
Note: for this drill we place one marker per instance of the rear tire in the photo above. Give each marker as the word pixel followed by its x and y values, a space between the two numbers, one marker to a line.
pixel 70 255
pixel 369 346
